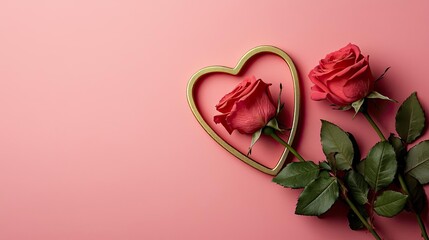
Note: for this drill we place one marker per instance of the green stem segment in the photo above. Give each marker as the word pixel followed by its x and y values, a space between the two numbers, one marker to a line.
pixel 419 218
pixel 400 177
pixel 358 214
pixel 362 219
pixel 271 132
pixel 374 125
pixel 422 227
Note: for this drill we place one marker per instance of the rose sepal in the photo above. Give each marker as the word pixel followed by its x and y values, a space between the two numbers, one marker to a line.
pixel 377 95
pixel 255 138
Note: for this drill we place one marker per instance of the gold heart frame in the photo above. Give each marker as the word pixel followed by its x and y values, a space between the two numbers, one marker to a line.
pixel 236 71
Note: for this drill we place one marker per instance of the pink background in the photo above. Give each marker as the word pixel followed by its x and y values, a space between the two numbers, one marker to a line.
pixel 97 140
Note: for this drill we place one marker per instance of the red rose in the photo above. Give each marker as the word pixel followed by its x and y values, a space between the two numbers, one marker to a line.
pixel 342 77
pixel 248 108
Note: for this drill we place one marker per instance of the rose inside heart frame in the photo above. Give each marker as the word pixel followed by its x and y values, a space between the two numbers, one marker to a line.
pixel 210 84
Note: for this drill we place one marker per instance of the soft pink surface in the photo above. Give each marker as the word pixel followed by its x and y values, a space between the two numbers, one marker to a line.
pixel 97 140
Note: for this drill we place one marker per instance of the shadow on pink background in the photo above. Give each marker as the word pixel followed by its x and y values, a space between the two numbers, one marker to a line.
pixel 97 141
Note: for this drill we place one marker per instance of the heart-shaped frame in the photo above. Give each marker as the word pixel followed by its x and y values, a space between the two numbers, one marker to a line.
pixel 236 71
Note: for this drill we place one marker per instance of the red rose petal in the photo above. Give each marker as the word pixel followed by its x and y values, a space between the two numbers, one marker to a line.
pixel 222 119
pixel 252 112
pixel 227 102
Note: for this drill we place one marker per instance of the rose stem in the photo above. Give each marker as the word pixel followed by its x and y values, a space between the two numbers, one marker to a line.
pixel 419 219
pixel 400 177
pixel 271 132
pixel 356 211
pixel 374 125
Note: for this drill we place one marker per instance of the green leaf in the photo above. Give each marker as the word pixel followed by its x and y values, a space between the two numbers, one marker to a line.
pixel 417 162
pixel 417 194
pixel 397 144
pixel 400 151
pixel 356 150
pixel 380 165
pixel 332 161
pixel 325 165
pixel 360 167
pixel 390 203
pixel 377 95
pixel 354 222
pixel 324 174
pixel 357 187
pixel 297 174
pixel 410 119
pixel 318 197
pixel 335 140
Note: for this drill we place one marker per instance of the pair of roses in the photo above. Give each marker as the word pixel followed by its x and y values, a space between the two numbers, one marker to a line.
pixel 342 77
pixel 388 180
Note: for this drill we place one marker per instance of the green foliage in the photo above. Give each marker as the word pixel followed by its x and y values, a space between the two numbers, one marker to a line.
pixel 398 146
pixel 400 150
pixel 332 161
pixel 357 186
pixel 318 197
pixel 324 174
pixel 325 165
pixel 377 95
pixel 273 123
pixel 410 119
pixel 255 138
pixel 417 194
pixel 354 222
pixel 380 165
pixel 343 173
pixel 417 162
pixel 356 150
pixel 358 105
pixel 335 140
pixel 360 167
pixel 297 174
pixel 390 203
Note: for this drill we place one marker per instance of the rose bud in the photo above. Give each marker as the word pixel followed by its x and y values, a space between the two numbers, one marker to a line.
pixel 342 77
pixel 248 108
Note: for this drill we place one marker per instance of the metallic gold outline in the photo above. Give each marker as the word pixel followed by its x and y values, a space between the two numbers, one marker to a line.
pixel 235 71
